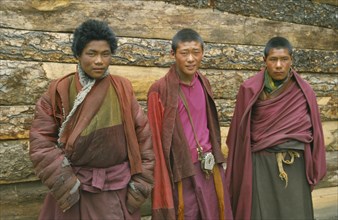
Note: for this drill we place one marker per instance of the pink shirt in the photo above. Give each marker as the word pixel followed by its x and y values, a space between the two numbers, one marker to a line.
pixel 195 97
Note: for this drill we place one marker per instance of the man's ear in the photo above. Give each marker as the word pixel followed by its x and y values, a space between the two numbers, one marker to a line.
pixel 172 53
pixel 264 58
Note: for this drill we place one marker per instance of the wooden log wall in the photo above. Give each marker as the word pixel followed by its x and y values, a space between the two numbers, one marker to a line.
pixel 35 40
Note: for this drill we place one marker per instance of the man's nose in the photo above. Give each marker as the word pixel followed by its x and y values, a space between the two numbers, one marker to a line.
pixel 98 59
pixel 190 57
pixel 279 63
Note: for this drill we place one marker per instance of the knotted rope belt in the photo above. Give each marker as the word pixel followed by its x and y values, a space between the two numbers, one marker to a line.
pixel 281 159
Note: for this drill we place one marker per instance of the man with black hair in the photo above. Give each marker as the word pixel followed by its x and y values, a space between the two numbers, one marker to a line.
pixel 90 142
pixel 189 177
pixel 275 140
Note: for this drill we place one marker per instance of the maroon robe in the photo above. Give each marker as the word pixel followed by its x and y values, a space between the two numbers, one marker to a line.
pixel 239 164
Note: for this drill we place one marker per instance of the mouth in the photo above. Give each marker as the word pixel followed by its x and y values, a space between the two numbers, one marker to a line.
pixel 190 67
pixel 98 69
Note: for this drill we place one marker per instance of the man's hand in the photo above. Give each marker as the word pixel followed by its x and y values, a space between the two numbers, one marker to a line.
pixel 67 192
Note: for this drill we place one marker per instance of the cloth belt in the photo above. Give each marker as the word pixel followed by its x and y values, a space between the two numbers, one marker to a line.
pixel 103 179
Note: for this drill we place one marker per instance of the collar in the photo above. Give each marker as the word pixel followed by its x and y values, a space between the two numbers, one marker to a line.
pixel 85 79
pixel 271 85
pixel 192 83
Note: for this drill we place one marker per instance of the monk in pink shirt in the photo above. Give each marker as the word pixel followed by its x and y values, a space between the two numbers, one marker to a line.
pixel 189 180
pixel 276 146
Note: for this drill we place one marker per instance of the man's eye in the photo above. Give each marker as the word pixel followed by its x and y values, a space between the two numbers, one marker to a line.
pixel 106 54
pixel 91 54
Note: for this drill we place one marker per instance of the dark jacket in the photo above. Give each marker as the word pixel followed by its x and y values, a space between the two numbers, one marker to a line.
pixel 48 158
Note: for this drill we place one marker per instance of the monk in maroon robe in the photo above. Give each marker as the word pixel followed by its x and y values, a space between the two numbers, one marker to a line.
pixel 276 146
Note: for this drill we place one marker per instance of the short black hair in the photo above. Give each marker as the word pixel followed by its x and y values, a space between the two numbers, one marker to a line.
pixel 92 30
pixel 186 35
pixel 277 42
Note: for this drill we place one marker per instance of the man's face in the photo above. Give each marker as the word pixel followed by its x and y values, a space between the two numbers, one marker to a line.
pixel 95 58
pixel 278 63
pixel 188 58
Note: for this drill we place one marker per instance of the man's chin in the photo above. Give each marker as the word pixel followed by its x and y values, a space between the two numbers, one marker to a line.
pixel 279 76
pixel 190 72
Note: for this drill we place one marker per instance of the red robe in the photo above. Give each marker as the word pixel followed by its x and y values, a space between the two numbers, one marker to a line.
pixel 171 149
pixel 239 163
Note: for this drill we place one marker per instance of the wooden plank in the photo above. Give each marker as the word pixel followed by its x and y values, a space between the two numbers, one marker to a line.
pixel 148 19
pixel 17 167
pixel 19 78
pixel 55 47
pixel 16 120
